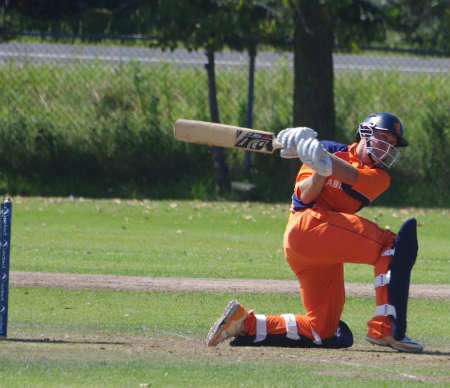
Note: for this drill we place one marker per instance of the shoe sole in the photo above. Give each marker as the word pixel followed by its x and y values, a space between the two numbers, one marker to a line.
pixel 222 323
pixel 395 345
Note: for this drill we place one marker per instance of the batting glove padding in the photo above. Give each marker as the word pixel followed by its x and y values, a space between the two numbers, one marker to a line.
pixel 290 138
pixel 311 152
pixel 289 153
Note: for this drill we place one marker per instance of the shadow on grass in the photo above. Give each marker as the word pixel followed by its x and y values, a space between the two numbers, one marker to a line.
pixel 50 341
pixel 389 350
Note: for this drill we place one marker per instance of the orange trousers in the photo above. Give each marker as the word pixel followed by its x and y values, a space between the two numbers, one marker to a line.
pixel 317 243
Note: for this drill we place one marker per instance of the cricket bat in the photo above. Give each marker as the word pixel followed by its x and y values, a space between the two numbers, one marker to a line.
pixel 227 136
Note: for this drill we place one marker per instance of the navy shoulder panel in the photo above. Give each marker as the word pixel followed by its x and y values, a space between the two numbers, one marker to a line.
pixel 332 147
pixel 365 201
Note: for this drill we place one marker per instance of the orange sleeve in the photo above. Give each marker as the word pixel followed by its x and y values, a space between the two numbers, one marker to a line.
pixel 372 182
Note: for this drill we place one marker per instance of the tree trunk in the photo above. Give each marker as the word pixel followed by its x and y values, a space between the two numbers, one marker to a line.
pixel 250 99
pixel 220 166
pixel 313 70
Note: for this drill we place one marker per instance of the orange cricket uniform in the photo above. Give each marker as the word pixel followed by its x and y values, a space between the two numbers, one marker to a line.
pixel 323 235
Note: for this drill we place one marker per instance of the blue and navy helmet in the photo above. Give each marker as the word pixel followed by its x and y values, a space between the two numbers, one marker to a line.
pixel 385 122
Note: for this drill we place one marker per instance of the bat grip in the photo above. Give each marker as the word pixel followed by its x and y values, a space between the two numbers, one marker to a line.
pixel 276 144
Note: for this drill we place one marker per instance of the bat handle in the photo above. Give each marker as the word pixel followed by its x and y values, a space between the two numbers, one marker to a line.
pixel 276 144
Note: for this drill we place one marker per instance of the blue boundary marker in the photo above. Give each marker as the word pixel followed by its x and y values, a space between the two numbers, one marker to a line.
pixel 5 235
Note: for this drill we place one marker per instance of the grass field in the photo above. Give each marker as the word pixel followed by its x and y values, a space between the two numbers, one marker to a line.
pixel 189 238
pixel 80 338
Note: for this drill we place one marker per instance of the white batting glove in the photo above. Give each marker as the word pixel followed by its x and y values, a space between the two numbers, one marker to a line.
pixel 311 152
pixel 290 137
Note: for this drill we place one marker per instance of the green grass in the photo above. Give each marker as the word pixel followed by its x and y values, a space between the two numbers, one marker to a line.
pixel 129 313
pixel 189 238
pixel 82 338
pixel 186 373
pixel 73 338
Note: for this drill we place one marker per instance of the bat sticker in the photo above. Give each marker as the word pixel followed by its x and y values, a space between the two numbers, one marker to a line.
pixel 253 141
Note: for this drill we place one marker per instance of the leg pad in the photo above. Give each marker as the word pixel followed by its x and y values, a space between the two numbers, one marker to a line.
pixel 343 338
pixel 406 247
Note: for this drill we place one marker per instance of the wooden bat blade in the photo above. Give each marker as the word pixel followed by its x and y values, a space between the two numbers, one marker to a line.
pixel 222 135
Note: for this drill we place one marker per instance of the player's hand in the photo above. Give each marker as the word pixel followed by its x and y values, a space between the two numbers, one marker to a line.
pixel 311 152
pixel 290 137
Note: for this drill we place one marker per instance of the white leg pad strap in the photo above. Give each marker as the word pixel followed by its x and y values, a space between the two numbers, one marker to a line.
pixel 383 279
pixel 261 327
pixel 317 340
pixel 388 252
pixel 291 326
pixel 385 309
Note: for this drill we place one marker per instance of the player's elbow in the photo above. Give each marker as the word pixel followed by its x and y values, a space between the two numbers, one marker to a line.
pixel 307 198
pixel 308 194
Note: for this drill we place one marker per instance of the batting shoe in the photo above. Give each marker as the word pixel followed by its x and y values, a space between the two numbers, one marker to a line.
pixel 404 345
pixel 230 324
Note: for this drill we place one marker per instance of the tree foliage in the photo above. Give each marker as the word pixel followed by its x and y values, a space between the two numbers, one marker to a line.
pixel 420 23
pixel 416 24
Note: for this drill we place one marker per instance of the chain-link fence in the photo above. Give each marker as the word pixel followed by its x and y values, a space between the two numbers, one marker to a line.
pixel 102 104
pixel 68 80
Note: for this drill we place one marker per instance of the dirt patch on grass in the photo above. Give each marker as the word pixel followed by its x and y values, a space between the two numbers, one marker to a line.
pixel 137 283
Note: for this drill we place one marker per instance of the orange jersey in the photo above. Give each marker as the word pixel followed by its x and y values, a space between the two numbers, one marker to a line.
pixel 338 196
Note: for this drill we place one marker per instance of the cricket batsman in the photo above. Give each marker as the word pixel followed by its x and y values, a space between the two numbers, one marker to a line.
pixel 323 232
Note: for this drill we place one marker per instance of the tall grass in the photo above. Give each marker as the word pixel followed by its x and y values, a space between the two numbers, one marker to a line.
pixel 103 130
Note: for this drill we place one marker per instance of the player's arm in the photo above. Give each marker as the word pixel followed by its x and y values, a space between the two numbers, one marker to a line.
pixel 311 152
pixel 311 187
pixel 343 170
